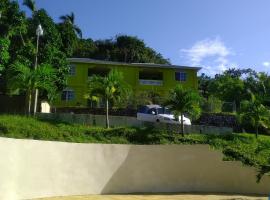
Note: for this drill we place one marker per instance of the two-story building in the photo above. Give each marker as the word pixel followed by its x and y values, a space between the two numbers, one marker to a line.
pixel 140 76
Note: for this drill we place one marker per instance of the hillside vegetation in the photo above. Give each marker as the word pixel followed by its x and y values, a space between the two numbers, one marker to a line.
pixel 243 147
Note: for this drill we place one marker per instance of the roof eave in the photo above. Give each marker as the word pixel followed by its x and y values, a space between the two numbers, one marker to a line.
pixel 93 61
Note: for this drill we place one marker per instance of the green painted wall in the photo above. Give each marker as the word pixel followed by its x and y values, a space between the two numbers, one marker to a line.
pixel 78 82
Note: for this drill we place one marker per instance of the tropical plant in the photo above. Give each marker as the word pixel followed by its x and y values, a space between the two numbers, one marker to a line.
pixel 70 19
pixel 111 88
pixel 31 4
pixel 24 79
pixel 228 88
pixel 181 101
pixel 255 113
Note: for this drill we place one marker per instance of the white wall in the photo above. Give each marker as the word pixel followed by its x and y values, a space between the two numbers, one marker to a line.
pixel 32 169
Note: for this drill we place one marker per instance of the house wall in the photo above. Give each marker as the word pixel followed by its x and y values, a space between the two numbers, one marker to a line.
pixel 34 169
pixel 78 82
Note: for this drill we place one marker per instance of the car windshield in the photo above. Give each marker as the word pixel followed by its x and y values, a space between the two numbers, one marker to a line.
pixel 164 111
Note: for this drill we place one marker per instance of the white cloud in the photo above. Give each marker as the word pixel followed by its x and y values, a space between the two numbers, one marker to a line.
pixel 211 54
pixel 266 64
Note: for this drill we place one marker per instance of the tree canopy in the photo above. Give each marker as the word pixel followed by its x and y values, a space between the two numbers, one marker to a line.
pixel 60 40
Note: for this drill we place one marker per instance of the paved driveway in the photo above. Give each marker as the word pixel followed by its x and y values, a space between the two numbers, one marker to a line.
pixel 158 197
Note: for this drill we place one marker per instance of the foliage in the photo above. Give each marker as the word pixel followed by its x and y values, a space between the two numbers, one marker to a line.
pixel 84 48
pixel 122 48
pixel 23 78
pixel 69 38
pixel 211 105
pixel 204 84
pixel 147 97
pixel 241 147
pixel 111 88
pixel 228 89
pixel 255 113
pixel 181 101
pixel 70 19
pixel 31 4
pixel 4 54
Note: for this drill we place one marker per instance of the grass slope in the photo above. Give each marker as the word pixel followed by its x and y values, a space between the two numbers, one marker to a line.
pixel 243 147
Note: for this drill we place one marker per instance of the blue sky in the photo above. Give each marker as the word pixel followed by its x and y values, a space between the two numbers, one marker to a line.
pixel 214 34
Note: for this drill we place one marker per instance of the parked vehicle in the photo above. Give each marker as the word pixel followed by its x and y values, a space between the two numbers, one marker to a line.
pixel 157 113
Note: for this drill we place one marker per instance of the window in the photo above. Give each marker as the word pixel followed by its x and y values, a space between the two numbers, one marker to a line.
pixel 68 95
pixel 180 76
pixel 150 75
pixel 72 70
pixel 99 71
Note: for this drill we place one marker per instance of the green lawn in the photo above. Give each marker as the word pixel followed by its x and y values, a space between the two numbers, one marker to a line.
pixel 243 147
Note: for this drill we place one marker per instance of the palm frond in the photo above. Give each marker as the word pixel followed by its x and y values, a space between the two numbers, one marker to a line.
pixel 78 31
pixel 31 4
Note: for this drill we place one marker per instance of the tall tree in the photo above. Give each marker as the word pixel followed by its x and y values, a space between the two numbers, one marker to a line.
pixel 23 78
pixel 181 101
pixel 85 48
pixel 255 113
pixel 110 88
pixel 204 84
pixel 70 19
pixel 228 89
pixel 50 45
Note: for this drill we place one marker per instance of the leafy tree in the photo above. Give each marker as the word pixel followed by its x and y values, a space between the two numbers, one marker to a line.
pixel 22 78
pixel 50 46
pixel 254 112
pixel 122 48
pixel 68 37
pixel 70 19
pixel 85 48
pixel 204 84
pixel 228 89
pixel 111 88
pixel 181 101
pixel 106 50
pixel 4 54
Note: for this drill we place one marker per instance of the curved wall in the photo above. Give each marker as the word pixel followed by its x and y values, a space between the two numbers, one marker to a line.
pixel 32 169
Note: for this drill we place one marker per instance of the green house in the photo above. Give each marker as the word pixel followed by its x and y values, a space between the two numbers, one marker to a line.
pixel 142 77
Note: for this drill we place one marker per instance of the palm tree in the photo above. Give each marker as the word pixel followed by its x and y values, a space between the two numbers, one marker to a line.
pixel 254 112
pixel 31 4
pixel 111 88
pixel 71 20
pixel 181 100
pixel 25 79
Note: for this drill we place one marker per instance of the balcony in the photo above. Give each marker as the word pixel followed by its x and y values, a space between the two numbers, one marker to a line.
pixel 151 77
pixel 151 82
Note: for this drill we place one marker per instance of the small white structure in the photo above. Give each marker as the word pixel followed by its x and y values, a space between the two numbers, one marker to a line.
pixel 45 107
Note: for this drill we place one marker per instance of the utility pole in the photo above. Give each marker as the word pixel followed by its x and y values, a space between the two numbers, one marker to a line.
pixel 39 32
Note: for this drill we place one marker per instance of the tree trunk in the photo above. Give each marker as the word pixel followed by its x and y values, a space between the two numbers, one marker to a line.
pixel 36 101
pixel 107 114
pixel 182 125
pixel 23 42
pixel 257 131
pixel 29 102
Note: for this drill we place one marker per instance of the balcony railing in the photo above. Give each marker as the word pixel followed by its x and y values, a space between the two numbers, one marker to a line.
pixel 151 82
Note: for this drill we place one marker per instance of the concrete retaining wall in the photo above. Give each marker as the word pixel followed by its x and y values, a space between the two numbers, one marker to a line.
pixel 32 169
pixel 99 120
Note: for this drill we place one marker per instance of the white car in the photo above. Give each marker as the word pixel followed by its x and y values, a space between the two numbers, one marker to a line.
pixel 156 113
